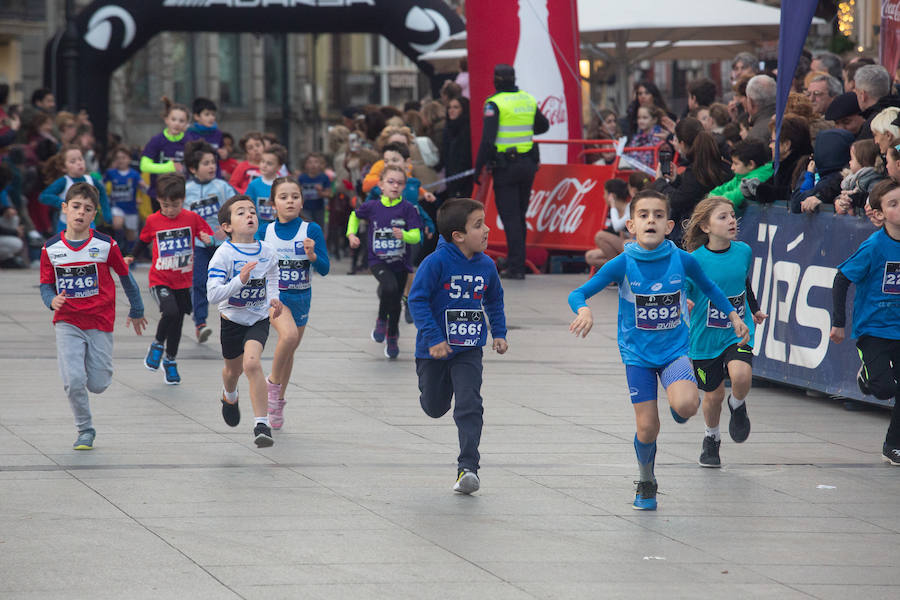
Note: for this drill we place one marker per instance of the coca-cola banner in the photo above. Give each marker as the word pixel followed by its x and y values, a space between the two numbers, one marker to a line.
pixel 565 211
pixel 890 35
pixel 539 38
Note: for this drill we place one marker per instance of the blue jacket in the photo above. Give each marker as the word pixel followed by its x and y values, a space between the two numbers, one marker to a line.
pixel 446 296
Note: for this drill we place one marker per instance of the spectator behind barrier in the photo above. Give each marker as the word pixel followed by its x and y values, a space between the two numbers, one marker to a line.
pixel 855 186
pixel 760 105
pixel 822 90
pixel 821 183
pixel 701 92
pixel 645 94
pixel 844 111
pixel 851 68
pixel 794 148
pixel 873 91
pixel 751 163
pixel 830 63
pixel 743 65
pixel 885 131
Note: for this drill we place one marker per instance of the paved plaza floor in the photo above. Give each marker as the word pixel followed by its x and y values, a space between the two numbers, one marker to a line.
pixel 354 499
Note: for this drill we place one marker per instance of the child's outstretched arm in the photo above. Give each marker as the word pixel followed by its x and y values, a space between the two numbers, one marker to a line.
pixel 839 306
pixel 136 312
pixel 50 195
pixel 614 270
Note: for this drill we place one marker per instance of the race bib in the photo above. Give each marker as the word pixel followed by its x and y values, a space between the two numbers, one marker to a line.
pixel 251 295
pixel 714 316
pixel 385 245
pixel 891 282
pixel 78 282
pixel 175 249
pixel 207 209
pixel 293 274
pixel 265 211
pixel 657 311
pixel 464 327
pixel 121 192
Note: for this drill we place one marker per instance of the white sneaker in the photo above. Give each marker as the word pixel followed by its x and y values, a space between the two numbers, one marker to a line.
pixel 466 482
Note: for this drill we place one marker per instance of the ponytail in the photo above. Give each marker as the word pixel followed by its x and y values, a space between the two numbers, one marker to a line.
pixel 169 106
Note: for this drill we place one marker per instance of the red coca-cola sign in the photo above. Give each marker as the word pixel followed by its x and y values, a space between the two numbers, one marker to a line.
pixel 565 211
pixel 554 108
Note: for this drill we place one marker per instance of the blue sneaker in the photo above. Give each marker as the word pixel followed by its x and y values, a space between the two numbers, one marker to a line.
pixel 678 418
pixel 645 496
pixel 154 356
pixel 85 440
pixel 380 330
pixel 392 349
pixel 171 369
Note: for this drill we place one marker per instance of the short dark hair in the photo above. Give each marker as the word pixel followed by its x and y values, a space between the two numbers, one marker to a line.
pixel 704 90
pixel 170 186
pixel 280 153
pixel 650 194
pixel 401 149
pixel 84 190
pixel 880 190
pixel 453 215
pixel 194 151
pixel 201 104
pixel 617 188
pixel 39 94
pixel 753 150
pixel 225 210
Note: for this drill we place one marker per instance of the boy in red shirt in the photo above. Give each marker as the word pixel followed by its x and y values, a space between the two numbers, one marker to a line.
pixel 171 232
pixel 77 286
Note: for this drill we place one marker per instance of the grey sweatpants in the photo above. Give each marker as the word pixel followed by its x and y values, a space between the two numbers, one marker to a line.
pixel 85 364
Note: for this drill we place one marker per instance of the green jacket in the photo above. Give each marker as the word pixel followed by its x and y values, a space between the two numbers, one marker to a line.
pixel 732 189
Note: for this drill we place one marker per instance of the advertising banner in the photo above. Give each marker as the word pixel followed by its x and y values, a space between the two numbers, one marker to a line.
pixel 539 38
pixel 565 211
pixel 889 35
pixel 794 264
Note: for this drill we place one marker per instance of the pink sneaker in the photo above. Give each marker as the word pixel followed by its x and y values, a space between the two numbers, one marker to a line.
pixel 276 404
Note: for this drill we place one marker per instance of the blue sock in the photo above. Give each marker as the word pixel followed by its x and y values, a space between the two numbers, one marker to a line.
pixel 646 455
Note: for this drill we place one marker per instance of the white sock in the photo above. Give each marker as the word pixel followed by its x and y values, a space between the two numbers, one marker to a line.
pixel 713 432
pixel 734 402
pixel 263 420
pixel 230 397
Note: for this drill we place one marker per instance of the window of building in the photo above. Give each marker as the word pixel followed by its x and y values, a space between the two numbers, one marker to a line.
pixel 182 56
pixel 273 52
pixel 230 69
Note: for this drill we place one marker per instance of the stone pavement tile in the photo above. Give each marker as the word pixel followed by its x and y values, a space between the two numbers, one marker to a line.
pixel 684 527
pixel 53 499
pixel 398 591
pixel 652 570
pixel 843 592
pixel 673 590
pixel 837 575
pixel 341 519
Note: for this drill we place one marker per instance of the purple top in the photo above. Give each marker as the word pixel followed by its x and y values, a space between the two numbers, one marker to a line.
pixel 159 149
pixel 213 135
pixel 383 246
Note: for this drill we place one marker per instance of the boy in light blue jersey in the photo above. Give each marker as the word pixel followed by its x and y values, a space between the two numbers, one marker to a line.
pixel 260 189
pixel 653 337
pixel 710 237
pixel 204 194
pixel 875 270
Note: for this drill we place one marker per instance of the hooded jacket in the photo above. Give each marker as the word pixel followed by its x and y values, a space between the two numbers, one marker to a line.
pixel 832 153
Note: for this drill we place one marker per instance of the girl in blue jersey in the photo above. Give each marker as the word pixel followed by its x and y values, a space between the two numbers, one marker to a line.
pixel 710 238
pixel 653 336
pixel 299 246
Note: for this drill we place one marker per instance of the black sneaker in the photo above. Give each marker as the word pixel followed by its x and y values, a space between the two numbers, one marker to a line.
pixel 862 381
pixel 891 455
pixel 262 436
pixel 739 425
pixel 709 457
pixel 645 495
pixel 231 413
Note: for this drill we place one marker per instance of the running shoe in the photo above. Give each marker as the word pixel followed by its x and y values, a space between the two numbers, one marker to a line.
pixel 85 440
pixel 406 314
pixel 154 356
pixel 392 348
pixel 203 333
pixel 645 496
pixel 678 418
pixel 275 404
pixel 709 456
pixel 231 412
pixel 891 455
pixel 739 425
pixel 262 436
pixel 467 482
pixel 380 330
pixel 171 370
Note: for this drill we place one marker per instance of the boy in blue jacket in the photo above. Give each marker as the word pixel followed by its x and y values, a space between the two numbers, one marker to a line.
pixel 456 294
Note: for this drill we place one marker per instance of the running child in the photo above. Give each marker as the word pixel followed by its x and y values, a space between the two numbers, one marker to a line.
pixel 260 189
pixel 170 232
pixel 653 337
pixel 710 236
pixel 875 270
pixel 243 280
pixel 71 161
pixel 455 296
pixel 316 188
pixel 393 223
pixel 124 182
pixel 204 194
pixel 204 126
pixel 248 169
pixel 77 286
pixel 164 153
pixel 298 245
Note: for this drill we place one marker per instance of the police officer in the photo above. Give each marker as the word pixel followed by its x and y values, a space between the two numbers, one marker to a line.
pixel 511 119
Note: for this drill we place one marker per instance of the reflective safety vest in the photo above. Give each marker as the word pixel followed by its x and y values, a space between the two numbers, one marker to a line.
pixel 516 129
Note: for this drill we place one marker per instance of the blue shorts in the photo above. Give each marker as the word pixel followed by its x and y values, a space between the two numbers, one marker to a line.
pixel 642 380
pixel 299 305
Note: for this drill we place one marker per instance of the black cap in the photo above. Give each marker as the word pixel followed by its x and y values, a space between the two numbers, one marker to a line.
pixel 504 72
pixel 842 106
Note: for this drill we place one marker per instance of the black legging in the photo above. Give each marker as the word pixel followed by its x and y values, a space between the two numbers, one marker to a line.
pixel 390 288
pixel 173 304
